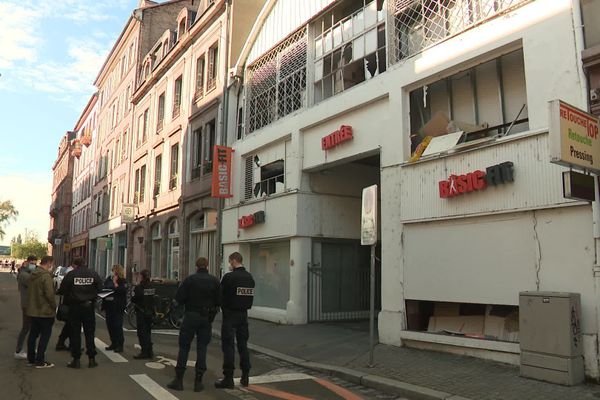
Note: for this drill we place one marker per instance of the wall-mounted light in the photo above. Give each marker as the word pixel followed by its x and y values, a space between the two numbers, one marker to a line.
pixel 256 161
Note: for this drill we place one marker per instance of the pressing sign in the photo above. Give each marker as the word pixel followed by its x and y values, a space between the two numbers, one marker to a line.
pixel 244 291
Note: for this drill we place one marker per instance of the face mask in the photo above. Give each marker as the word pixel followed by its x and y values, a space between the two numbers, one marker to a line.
pixel 31 267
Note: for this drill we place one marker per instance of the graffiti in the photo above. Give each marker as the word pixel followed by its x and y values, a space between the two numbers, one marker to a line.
pixel 575 328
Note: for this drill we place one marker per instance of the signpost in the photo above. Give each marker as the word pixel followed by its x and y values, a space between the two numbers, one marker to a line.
pixel 368 237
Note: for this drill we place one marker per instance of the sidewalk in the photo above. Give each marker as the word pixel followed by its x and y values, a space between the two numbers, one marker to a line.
pixel 342 349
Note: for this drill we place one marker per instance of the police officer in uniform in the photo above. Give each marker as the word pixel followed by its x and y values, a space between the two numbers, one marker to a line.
pixel 199 294
pixel 237 294
pixel 143 298
pixel 80 288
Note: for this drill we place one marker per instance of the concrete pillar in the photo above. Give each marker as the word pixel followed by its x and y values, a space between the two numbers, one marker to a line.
pixel 300 257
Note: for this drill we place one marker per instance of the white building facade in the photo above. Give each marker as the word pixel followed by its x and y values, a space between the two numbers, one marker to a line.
pixel 338 95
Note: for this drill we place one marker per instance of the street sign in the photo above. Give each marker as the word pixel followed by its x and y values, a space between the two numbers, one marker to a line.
pixel 128 213
pixel 368 225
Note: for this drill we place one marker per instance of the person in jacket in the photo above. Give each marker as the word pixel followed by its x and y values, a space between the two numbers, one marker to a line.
pixel 66 330
pixel 114 306
pixel 237 295
pixel 80 288
pixel 143 299
pixel 22 280
pixel 199 294
pixel 41 308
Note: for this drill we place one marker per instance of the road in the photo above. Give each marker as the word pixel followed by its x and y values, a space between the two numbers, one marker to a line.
pixel 119 376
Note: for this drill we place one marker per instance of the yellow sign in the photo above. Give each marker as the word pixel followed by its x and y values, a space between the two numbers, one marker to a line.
pixel 67 246
pixel 574 140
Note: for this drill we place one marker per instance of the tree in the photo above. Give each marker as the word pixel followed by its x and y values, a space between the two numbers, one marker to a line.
pixel 8 212
pixel 30 246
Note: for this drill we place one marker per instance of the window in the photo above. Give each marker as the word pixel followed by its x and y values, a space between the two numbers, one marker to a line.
pixel 182 27
pixel 161 112
pixel 173 250
pixel 117 153
pixel 248 177
pixel 349 47
pixel 143 127
pixel 142 183
pixel 174 166
pixel 199 78
pixel 177 96
pixel 240 123
pixel 485 101
pixel 277 83
pixel 270 263
pixel 157 174
pixel 213 65
pixel 113 200
pixel 136 190
pixel 156 249
pixel 203 238
pixel 197 153
pixel 271 179
pixel 203 142
pixel 124 146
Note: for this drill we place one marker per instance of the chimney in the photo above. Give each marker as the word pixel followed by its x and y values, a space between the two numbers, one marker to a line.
pixel 146 3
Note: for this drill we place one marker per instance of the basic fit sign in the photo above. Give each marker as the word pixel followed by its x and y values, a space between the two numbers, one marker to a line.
pixel 340 136
pixel 221 177
pixel 573 140
pixel 456 185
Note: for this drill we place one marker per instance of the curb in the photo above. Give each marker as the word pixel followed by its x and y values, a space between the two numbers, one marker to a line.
pixel 414 392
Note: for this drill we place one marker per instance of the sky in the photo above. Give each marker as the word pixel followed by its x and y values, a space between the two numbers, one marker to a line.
pixel 50 54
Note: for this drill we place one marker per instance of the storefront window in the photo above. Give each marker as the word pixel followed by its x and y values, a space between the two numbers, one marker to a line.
pixel 202 240
pixel 173 251
pixel 270 266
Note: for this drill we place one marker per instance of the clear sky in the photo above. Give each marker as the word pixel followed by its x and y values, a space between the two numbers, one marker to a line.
pixel 50 54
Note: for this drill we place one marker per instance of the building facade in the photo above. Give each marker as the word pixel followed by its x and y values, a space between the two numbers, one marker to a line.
pixel 340 96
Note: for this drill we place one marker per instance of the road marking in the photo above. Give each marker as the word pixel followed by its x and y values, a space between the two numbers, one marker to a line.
pixel 111 355
pixel 155 365
pixel 150 386
pixel 172 363
pixel 340 391
pixel 260 380
pixel 276 393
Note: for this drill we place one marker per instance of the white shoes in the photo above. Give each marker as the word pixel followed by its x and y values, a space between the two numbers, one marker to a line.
pixel 21 356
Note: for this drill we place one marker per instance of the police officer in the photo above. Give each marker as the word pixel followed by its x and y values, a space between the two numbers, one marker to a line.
pixel 143 298
pixel 199 294
pixel 80 288
pixel 237 294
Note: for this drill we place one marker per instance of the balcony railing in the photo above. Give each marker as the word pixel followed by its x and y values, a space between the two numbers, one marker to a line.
pixel 269 186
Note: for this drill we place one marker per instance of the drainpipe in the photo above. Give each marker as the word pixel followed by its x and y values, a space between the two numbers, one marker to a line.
pixel 579 47
pixel 222 139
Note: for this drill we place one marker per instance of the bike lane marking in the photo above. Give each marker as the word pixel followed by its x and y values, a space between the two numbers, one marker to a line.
pixel 340 391
pixel 150 386
pixel 276 393
pixel 111 355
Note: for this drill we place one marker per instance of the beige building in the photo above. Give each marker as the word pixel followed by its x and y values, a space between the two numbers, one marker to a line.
pixel 178 108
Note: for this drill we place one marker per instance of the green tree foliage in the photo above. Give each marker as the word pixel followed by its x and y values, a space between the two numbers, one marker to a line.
pixel 31 245
pixel 8 212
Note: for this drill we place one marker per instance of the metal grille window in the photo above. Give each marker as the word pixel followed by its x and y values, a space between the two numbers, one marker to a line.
pixel 349 46
pixel 199 78
pixel 419 24
pixel 248 177
pixel 177 97
pixel 161 113
pixel 213 62
pixel 277 83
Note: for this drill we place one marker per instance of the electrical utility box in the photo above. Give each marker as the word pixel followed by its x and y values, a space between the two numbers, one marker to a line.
pixel 550 336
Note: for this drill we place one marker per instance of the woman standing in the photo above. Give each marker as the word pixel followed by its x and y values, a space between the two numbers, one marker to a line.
pixel 114 306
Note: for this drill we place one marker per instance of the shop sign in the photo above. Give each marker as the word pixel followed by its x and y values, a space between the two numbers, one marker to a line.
pixel 338 137
pixel 574 140
pixel 456 185
pixel 67 246
pixel 368 220
pixel 128 213
pixel 221 176
pixel 251 220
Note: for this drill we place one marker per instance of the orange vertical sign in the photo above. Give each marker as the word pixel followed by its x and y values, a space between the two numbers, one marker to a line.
pixel 221 177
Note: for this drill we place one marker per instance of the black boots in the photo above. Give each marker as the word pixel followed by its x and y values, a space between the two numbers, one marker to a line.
pixel 225 383
pixel 198 386
pixel 245 379
pixel 74 364
pixel 93 363
pixel 60 346
pixel 177 383
pixel 143 356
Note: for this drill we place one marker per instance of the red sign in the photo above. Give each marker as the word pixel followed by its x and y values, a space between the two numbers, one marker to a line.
pixel 221 177
pixel 340 136
pixel 252 219
pixel 456 185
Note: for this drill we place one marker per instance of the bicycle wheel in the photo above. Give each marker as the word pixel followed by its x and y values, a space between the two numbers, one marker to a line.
pixel 131 316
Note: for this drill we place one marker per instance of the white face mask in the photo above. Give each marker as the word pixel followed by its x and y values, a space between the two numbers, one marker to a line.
pixel 31 267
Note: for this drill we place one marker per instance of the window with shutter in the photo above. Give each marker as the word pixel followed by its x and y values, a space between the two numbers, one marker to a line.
pixel 248 179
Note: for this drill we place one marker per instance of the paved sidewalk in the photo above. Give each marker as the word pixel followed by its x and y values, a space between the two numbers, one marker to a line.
pixel 342 350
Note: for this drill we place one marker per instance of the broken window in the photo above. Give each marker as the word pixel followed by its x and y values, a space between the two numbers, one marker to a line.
pixel 271 179
pixel 487 100
pixel 349 47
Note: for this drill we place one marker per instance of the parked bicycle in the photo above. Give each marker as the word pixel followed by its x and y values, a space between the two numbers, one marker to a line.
pixel 166 311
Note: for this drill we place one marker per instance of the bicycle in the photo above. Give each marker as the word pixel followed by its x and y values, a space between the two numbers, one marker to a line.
pixel 166 310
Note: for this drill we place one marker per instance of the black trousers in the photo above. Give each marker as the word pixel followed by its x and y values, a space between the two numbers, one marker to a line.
pixel 41 327
pixel 114 324
pixel 194 324
pixel 82 314
pixel 64 333
pixel 144 331
pixel 235 328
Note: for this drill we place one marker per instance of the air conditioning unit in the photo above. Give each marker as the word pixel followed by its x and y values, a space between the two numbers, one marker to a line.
pixel 595 94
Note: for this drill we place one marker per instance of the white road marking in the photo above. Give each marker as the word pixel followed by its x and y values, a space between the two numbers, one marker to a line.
pixel 150 386
pixel 258 380
pixel 111 355
pixel 155 365
pixel 172 363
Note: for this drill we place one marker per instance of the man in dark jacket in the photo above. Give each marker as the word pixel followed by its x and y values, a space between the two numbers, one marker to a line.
pixel 22 280
pixel 80 288
pixel 41 308
pixel 237 295
pixel 143 298
pixel 199 293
